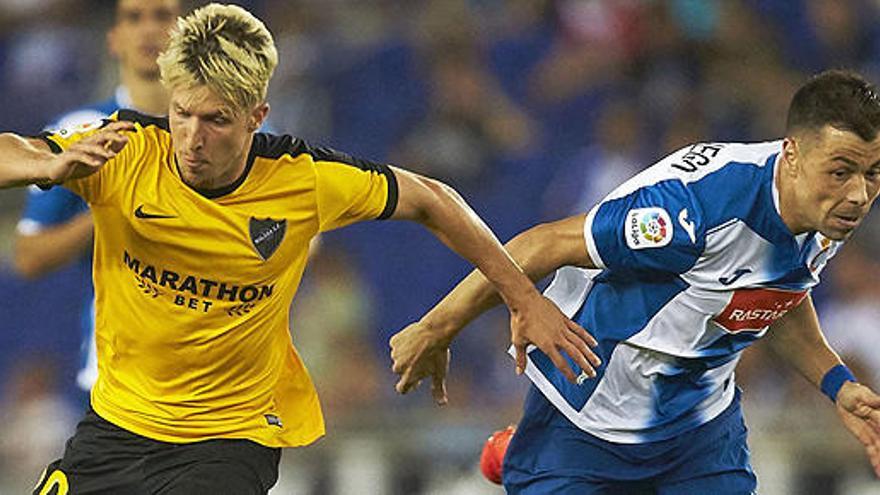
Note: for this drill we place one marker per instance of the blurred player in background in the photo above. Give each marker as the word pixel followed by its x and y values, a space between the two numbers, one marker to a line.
pixel 56 226
pixel 202 229
pixel 679 269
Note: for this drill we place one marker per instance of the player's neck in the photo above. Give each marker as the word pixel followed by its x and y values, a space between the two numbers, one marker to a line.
pixel 227 181
pixel 147 95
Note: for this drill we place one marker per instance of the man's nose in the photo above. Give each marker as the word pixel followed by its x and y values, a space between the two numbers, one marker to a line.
pixel 195 139
pixel 858 192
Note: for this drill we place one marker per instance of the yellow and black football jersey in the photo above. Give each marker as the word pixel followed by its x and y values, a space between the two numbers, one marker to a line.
pixel 193 289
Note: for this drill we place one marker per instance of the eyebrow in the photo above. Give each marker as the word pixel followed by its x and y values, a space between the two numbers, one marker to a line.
pixel 852 163
pixel 224 113
pixel 214 115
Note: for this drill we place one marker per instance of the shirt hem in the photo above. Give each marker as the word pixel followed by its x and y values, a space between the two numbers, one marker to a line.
pixel 634 437
pixel 299 440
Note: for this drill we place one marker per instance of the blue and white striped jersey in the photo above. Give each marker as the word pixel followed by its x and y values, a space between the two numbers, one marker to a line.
pixel 58 205
pixel 55 206
pixel 695 263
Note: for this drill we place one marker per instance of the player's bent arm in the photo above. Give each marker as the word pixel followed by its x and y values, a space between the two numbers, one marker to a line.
pixel 539 250
pixel 533 318
pixel 23 161
pixel 444 212
pixel 798 339
pixel 53 247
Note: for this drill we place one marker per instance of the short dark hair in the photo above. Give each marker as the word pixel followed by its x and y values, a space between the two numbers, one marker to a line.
pixel 839 98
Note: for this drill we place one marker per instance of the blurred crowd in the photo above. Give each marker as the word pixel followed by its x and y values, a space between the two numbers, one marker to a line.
pixel 534 110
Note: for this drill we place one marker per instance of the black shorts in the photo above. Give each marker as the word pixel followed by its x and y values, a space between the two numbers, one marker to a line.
pixel 104 459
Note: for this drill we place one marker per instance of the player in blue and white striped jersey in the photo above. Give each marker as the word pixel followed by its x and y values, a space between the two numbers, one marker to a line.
pixel 674 274
pixel 56 227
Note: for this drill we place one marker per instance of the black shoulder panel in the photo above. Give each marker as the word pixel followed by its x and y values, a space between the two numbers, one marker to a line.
pixel 143 119
pixel 272 146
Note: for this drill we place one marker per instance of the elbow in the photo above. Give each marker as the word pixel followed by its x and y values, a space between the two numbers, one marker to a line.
pixel 532 244
pixel 438 197
pixel 552 245
pixel 27 264
pixel 27 267
pixel 440 189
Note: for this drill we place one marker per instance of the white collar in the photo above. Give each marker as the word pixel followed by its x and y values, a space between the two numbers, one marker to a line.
pixel 123 97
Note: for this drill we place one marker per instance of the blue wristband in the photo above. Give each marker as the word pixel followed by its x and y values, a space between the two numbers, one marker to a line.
pixel 834 379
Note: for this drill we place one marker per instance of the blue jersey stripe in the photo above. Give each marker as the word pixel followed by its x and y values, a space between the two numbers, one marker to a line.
pixel 601 315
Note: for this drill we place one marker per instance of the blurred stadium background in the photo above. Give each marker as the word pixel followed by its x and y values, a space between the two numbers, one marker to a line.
pixel 533 109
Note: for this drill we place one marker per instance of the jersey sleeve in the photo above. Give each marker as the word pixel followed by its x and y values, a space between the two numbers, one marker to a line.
pixel 46 208
pixel 656 228
pixel 351 190
pixel 94 188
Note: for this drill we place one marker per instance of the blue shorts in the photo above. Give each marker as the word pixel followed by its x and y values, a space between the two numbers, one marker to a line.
pixel 549 454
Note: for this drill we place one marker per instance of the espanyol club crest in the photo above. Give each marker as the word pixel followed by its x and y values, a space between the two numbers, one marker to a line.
pixel 266 235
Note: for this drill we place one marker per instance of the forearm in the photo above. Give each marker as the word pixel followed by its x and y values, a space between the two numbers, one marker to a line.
pixel 452 221
pixel 22 162
pixel 538 251
pixel 797 338
pixel 54 247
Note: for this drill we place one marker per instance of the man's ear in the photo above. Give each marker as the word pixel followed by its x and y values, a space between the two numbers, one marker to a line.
pixel 791 153
pixel 258 116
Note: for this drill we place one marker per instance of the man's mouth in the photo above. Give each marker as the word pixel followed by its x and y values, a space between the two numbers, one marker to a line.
pixel 192 162
pixel 849 221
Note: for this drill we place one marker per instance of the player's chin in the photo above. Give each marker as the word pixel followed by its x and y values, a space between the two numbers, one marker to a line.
pixel 194 179
pixel 838 233
pixel 840 228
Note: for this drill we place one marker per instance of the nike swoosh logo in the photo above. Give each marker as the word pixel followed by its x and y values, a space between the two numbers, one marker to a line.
pixel 733 278
pixel 140 213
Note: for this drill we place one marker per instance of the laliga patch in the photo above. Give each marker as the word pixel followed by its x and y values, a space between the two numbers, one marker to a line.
pixel 648 228
pixel 80 129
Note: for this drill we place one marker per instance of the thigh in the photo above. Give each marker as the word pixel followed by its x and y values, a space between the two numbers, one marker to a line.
pixel 57 480
pixel 567 485
pixel 549 455
pixel 214 467
pixel 215 478
pixel 733 483
pixel 100 459
pixel 716 461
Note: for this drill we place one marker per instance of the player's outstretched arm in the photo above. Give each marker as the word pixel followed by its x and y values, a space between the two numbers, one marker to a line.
pixel 421 349
pixel 25 161
pixel 798 339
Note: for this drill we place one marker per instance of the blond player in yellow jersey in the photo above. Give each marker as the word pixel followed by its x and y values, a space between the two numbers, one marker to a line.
pixel 202 229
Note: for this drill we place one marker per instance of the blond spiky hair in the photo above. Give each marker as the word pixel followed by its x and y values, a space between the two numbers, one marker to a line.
pixel 225 48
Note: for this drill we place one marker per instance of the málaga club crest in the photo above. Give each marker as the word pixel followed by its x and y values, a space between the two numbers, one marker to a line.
pixel 266 235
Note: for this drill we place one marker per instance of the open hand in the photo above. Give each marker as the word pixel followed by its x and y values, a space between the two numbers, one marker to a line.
pixel 87 155
pixel 542 324
pixel 859 409
pixel 418 352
